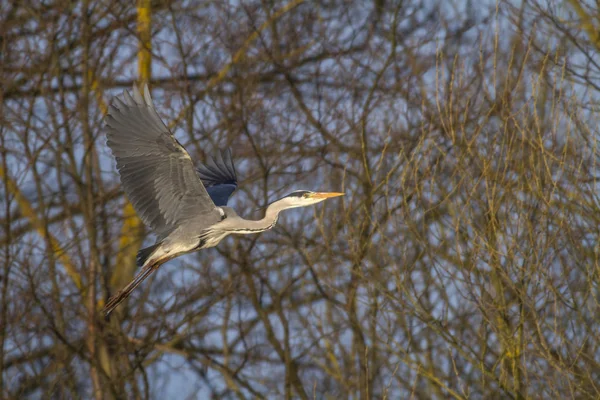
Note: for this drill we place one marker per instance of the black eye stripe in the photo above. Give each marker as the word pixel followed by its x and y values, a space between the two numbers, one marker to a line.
pixel 295 194
pixel 298 193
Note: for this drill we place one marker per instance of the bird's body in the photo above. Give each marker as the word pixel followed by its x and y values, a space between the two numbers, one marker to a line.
pixel 180 242
pixel 185 207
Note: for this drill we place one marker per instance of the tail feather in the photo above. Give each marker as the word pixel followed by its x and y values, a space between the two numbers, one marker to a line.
pixel 144 254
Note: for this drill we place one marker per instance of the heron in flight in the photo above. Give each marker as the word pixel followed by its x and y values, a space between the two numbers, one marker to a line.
pixel 185 206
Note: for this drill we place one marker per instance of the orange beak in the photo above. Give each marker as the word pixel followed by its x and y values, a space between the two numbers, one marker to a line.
pixel 326 195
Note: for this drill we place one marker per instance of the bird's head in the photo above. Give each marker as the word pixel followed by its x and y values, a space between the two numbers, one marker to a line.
pixel 303 198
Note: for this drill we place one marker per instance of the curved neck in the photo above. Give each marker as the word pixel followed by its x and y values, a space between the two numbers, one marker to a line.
pixel 266 223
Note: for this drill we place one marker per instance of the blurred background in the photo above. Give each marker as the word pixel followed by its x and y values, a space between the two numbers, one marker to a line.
pixel 463 261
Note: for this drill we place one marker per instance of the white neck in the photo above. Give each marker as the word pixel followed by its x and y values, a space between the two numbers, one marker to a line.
pixel 236 224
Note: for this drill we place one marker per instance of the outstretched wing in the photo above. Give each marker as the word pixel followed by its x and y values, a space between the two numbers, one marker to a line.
pixel 157 173
pixel 219 177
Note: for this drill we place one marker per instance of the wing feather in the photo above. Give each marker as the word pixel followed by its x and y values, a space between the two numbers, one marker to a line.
pixel 219 177
pixel 156 172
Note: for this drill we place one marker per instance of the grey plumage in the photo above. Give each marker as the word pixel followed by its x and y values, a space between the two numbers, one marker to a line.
pixel 218 170
pixel 219 177
pixel 157 173
pixel 184 206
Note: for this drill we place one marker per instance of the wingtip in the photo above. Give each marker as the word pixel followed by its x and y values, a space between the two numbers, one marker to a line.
pixel 147 96
pixel 218 158
pixel 137 96
pixel 230 164
pixel 118 102
pixel 127 99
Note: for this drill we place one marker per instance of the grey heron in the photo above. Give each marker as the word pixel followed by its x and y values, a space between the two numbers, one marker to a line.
pixel 185 206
